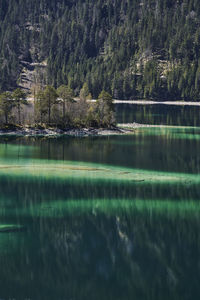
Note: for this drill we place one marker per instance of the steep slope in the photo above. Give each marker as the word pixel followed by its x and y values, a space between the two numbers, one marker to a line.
pixel 131 48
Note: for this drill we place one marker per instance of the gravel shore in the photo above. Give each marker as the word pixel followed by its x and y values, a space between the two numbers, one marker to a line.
pixel 80 132
pixel 125 128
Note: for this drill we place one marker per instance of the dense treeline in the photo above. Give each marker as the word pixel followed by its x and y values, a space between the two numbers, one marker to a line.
pixel 57 108
pixel 130 48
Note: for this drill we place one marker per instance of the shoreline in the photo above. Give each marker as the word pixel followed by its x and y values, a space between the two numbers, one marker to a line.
pixel 130 126
pixel 54 132
pixel 149 102
pixel 120 129
pixel 142 102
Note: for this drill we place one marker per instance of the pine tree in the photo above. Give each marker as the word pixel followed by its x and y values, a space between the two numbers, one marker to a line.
pixel 50 98
pixel 6 105
pixel 66 96
pixel 19 98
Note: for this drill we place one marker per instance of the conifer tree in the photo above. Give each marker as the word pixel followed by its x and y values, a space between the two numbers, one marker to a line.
pixel 65 94
pixel 19 98
pixel 6 105
pixel 50 98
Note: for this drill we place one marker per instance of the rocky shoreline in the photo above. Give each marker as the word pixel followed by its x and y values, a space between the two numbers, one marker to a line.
pixel 126 128
pixel 79 132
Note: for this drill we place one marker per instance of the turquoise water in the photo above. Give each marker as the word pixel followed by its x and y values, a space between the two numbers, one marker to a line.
pixel 113 217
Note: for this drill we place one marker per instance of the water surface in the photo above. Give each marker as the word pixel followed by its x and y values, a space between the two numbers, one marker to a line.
pixel 158 114
pixel 101 217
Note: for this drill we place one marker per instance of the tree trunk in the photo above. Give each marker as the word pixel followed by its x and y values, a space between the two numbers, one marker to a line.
pixel 49 113
pixel 49 110
pixel 63 111
pixel 6 118
pixel 19 115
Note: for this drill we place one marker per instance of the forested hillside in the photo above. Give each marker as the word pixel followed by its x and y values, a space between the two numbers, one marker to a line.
pixel 131 48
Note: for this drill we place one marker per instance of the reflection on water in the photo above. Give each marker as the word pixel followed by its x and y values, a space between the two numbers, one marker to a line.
pixel 101 218
pixel 158 114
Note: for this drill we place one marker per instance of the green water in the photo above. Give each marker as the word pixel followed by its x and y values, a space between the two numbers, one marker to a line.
pixel 101 217
pixel 156 114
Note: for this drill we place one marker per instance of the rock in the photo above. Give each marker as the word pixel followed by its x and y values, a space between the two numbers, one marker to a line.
pixel 79 132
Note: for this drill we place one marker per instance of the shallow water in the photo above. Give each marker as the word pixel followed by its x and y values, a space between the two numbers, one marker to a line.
pixel 113 217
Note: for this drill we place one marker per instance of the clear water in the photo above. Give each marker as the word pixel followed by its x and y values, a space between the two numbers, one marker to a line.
pixel 183 115
pixel 101 217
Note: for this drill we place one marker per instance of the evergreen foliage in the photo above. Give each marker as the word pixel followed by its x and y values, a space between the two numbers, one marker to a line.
pixel 130 48
pixel 19 98
pixel 105 109
pixel 6 105
pixel 53 107
pixel 50 98
pixel 66 97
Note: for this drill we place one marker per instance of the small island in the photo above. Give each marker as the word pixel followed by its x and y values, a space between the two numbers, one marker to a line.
pixel 51 111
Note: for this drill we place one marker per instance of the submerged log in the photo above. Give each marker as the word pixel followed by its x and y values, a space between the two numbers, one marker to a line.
pixel 11 228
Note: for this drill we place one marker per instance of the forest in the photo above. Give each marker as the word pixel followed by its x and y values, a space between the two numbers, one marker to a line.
pixel 56 108
pixel 132 49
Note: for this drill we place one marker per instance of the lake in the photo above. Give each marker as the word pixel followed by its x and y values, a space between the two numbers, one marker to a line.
pixel 114 217
pixel 158 114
